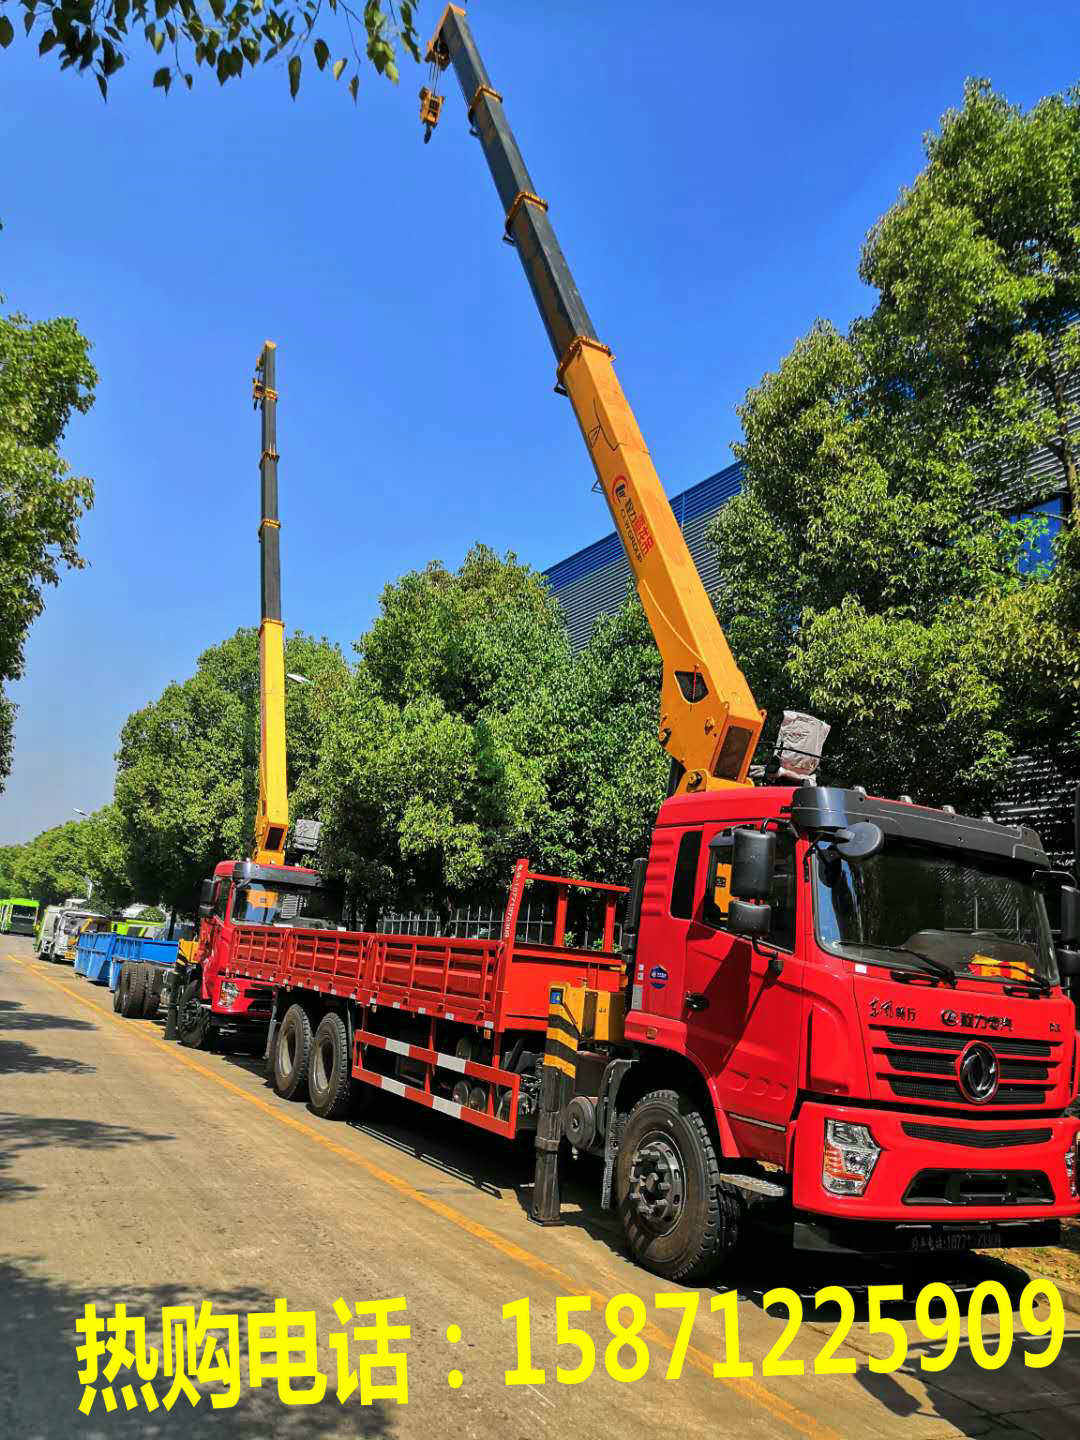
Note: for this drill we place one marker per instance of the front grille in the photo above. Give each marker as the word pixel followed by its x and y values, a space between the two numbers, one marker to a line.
pixel 912 1060
pixel 949 1092
pixel 975 1139
pixel 926 1061
pixel 979 1187
pixel 955 1041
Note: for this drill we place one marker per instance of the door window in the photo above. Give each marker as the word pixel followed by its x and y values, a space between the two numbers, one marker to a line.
pixel 221 899
pixel 686 866
pixel 718 894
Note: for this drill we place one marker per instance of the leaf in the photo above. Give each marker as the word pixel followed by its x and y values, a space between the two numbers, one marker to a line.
pixel 47 42
pixel 162 78
pixel 7 32
pixel 103 86
pixel 322 53
pixel 338 67
pixel 354 86
pixel 294 75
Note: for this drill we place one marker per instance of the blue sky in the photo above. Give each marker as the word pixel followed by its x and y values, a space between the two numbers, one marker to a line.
pixel 711 180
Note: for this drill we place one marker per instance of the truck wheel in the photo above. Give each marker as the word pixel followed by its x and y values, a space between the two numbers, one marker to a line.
pixel 131 1002
pixel 292 1053
pixel 118 993
pixel 680 1221
pixel 152 999
pixel 330 1084
pixel 193 1020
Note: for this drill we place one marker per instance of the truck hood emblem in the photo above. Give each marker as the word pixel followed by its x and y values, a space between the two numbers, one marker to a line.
pixel 977 1073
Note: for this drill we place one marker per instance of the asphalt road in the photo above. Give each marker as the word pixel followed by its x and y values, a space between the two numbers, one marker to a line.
pixel 132 1170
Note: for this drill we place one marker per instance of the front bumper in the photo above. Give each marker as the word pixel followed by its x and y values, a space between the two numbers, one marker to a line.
pixel 858 1237
pixel 1039 1150
pixel 242 1001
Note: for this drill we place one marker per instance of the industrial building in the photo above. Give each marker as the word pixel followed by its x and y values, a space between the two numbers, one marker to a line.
pixel 593 582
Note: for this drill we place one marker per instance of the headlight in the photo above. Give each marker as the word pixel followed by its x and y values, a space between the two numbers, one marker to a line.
pixel 228 994
pixel 1072 1165
pixel 849 1158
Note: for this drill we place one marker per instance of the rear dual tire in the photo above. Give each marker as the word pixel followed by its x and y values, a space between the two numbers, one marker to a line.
pixel 133 991
pixel 330 1086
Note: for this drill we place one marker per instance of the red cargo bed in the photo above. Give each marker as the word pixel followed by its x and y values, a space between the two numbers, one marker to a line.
pixel 494 984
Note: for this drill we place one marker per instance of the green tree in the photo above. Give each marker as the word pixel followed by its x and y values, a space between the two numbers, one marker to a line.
pixel 612 774
pixel 978 271
pixel 9 855
pixel 436 759
pixel 187 767
pixel 45 375
pixel 109 861
pixel 53 866
pixel 869 572
pixel 221 36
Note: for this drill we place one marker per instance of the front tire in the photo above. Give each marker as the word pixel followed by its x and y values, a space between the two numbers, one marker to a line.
pixel 679 1219
pixel 292 1053
pixel 193 1019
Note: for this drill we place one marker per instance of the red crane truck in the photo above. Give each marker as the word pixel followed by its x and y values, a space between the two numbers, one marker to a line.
pixel 844 1012
pixel 266 890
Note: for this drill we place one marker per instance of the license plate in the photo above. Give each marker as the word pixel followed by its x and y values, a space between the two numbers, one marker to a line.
pixel 958 1240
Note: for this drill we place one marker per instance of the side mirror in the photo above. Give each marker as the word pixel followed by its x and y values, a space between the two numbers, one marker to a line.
pixel 1070 917
pixel 1068 963
pixel 859 842
pixel 206 895
pixel 752 856
pixel 745 918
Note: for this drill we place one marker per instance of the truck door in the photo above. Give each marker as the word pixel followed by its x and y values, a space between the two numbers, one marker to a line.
pixel 744 1021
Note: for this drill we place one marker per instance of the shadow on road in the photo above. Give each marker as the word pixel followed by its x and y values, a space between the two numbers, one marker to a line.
pixel 17 1058
pixel 20 1133
pixel 40 1390
pixel 14 1016
pixel 958 1394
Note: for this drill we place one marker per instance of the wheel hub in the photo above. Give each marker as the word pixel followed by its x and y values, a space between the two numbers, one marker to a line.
pixel 656 1182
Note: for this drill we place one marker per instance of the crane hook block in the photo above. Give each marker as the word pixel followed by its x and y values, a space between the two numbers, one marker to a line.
pixel 430 110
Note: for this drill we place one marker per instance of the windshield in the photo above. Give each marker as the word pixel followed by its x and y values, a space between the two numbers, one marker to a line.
pixel 312 909
pixel 966 916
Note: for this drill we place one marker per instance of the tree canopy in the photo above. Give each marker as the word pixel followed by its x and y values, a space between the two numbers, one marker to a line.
pixel 51 867
pixel 468 735
pixel 187 767
pixel 45 376
pixel 871 569
pixel 228 39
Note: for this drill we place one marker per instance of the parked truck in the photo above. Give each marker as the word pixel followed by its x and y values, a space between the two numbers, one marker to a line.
pixel 839 1014
pixel 18 916
pixel 195 1014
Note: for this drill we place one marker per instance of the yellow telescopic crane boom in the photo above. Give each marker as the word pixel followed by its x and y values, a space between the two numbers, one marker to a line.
pixel 709 722
pixel 272 817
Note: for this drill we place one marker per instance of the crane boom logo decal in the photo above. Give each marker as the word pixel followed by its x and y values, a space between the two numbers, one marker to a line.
pixel 638 535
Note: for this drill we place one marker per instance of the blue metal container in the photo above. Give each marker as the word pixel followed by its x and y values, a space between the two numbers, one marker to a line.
pixel 93 955
pixel 131 947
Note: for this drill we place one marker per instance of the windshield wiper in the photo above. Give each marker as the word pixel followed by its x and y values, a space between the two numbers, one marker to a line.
pixel 935 967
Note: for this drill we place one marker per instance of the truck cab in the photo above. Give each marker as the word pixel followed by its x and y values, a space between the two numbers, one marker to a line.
pixel 240 898
pixel 875 1019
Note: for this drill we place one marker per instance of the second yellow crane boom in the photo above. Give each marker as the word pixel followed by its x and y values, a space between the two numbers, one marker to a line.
pixel 272 816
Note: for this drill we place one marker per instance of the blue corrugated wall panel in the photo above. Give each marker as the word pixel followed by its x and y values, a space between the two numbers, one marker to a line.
pixel 594 581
